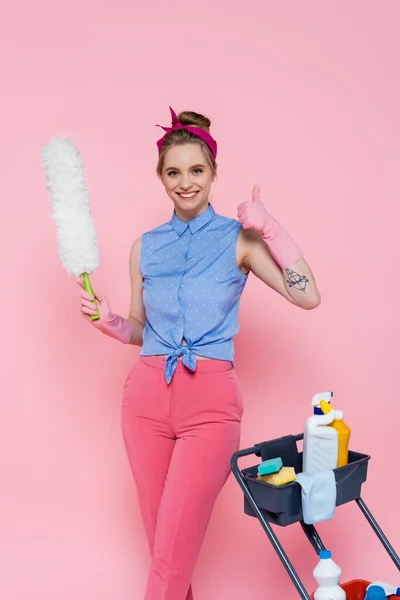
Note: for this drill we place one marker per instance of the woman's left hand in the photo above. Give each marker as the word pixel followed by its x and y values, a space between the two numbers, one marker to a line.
pixel 252 214
pixel 290 275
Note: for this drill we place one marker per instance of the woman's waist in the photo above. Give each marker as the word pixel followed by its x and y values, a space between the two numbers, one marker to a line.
pixel 204 349
pixel 198 357
pixel 205 365
pixel 179 354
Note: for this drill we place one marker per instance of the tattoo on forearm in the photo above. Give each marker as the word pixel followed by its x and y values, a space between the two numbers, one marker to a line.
pixel 299 282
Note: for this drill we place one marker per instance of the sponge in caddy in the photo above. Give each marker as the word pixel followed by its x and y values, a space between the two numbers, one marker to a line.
pixel 285 475
pixel 267 467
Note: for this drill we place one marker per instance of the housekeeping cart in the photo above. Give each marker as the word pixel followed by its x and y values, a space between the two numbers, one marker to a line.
pixel 274 505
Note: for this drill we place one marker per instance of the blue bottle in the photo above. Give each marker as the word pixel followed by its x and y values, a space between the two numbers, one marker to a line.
pixel 375 592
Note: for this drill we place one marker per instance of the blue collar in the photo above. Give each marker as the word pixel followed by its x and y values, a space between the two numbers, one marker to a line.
pixel 194 224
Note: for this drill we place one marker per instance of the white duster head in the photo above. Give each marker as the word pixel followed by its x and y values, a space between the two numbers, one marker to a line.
pixel 76 233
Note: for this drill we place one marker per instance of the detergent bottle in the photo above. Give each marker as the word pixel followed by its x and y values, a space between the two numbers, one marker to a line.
pixel 328 573
pixel 320 447
pixel 344 433
pixel 375 592
pixel 389 590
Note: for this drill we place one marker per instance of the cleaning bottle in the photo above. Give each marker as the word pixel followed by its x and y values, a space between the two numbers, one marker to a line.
pixel 375 592
pixel 390 590
pixel 344 433
pixel 328 573
pixel 320 447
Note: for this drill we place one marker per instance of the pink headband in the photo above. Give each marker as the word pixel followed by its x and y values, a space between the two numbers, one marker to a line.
pixel 195 130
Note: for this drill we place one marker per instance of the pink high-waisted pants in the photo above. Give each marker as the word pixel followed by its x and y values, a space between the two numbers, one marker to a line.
pixel 179 440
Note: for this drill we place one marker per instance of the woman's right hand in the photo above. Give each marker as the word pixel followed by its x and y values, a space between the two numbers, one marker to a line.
pixel 109 323
pixel 88 308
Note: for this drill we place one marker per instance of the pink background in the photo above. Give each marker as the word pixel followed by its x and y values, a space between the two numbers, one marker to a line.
pixel 304 98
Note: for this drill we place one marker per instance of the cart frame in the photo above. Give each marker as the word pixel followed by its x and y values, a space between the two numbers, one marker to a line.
pixel 309 530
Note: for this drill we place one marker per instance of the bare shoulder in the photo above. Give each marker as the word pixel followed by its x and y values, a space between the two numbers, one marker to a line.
pixel 137 311
pixel 136 248
pixel 136 245
pixel 134 256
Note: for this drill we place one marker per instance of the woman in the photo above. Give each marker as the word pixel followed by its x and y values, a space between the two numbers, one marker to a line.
pixel 182 404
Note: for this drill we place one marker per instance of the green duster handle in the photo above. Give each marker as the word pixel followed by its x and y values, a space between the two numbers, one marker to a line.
pixel 89 289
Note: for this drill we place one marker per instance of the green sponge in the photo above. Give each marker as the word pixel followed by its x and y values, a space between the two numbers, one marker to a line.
pixel 267 467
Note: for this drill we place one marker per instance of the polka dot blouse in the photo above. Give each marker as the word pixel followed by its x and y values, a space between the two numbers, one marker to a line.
pixel 191 289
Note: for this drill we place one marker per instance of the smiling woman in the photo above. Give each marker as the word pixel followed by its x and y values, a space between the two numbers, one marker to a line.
pixel 186 163
pixel 187 179
pixel 182 403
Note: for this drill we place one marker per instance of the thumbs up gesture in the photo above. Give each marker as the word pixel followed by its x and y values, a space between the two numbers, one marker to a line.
pixel 252 214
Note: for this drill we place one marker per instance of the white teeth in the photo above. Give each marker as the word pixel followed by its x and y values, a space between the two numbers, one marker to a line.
pixel 188 195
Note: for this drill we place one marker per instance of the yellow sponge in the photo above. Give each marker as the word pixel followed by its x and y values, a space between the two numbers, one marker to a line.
pixel 285 475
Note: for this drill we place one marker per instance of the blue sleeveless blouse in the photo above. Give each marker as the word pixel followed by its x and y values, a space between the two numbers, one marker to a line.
pixel 191 289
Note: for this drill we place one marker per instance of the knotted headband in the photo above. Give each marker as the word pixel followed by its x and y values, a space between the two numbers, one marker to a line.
pixel 201 133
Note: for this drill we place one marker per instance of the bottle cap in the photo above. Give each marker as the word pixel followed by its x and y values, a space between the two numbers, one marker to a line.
pixel 375 592
pixel 324 554
pixel 338 414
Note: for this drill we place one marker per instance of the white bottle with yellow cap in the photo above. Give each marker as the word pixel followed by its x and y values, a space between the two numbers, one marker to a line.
pixel 320 448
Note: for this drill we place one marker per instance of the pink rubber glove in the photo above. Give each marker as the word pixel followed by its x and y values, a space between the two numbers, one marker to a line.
pixel 253 215
pixel 109 323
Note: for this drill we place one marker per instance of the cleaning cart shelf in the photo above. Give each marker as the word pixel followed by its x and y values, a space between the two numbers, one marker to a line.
pixel 282 505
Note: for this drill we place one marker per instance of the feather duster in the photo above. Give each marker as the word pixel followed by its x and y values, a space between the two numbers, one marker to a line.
pixel 69 198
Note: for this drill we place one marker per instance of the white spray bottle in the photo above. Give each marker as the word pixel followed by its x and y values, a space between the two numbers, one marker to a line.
pixel 320 447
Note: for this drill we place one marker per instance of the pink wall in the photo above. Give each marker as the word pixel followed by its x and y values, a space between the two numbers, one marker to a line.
pixel 305 99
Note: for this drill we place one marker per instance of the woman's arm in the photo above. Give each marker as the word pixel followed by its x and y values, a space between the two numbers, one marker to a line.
pixel 296 283
pixel 137 314
pixel 127 331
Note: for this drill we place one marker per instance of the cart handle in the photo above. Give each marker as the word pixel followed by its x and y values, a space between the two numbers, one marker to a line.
pixel 256 449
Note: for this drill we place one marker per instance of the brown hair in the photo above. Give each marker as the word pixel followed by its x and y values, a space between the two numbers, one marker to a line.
pixel 181 136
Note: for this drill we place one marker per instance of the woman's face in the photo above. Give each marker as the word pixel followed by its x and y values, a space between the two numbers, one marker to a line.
pixel 187 178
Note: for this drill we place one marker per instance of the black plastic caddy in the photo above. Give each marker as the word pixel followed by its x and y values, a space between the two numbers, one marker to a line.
pixel 281 505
